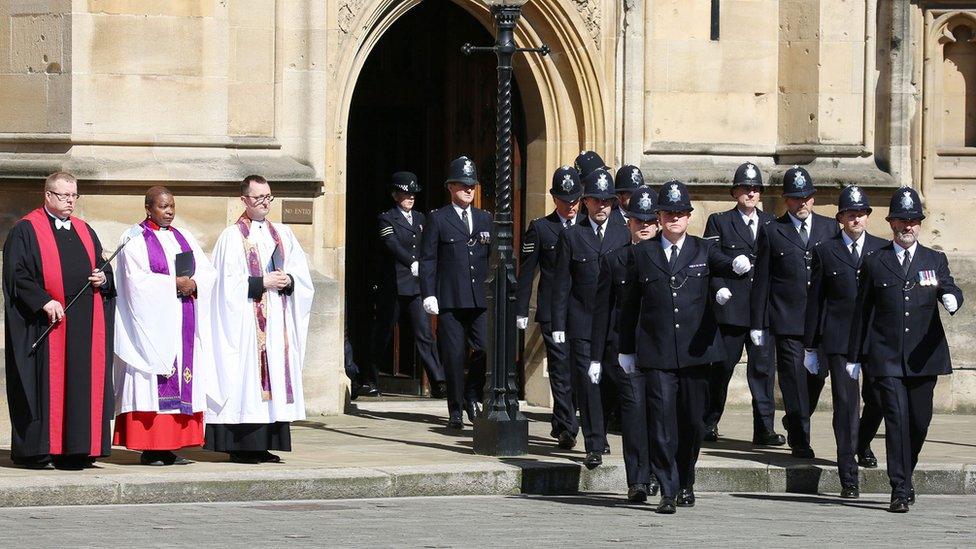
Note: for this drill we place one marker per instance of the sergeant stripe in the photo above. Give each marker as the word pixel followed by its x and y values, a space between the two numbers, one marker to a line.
pixel 528 248
pixel 386 231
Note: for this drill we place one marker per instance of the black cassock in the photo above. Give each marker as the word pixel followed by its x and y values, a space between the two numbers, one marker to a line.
pixel 29 379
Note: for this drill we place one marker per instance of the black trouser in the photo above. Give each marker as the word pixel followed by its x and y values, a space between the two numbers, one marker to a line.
pixel 676 402
pixel 631 391
pixel 459 330
pixel 560 383
pixel 847 403
pixel 907 406
pixel 391 311
pixel 760 374
pixel 871 414
pixel 801 389
pixel 588 399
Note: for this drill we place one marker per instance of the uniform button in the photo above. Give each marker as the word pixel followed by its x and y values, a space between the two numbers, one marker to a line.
pixel 674 294
pixel 808 268
pixel 584 260
pixel 470 253
pixel 906 298
pixel 808 283
pixel 672 278
pixel 677 325
pixel 906 313
pixel 884 284
pixel 472 280
pixel 906 329
pixel 472 267
pixel 675 309
pixel 750 280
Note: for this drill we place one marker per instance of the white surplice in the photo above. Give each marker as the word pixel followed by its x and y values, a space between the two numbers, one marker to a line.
pixel 235 333
pixel 149 325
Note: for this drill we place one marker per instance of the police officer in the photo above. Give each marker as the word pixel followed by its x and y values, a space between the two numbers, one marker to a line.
pixel 779 299
pixel 453 270
pixel 539 250
pixel 401 230
pixel 735 232
pixel 898 333
pixel 588 162
pixel 668 329
pixel 612 288
pixel 830 307
pixel 627 179
pixel 574 296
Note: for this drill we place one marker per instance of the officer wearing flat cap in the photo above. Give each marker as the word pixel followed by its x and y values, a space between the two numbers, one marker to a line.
pixel 539 252
pixel 625 181
pixel 588 162
pixel 401 231
pixel 779 299
pixel 453 270
pixel 830 307
pixel 613 287
pixel 898 338
pixel 735 231
pixel 574 297
pixel 668 330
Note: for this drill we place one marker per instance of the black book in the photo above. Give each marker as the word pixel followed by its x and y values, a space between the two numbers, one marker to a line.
pixel 185 266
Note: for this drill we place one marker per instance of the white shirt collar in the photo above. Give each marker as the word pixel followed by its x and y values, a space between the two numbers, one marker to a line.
pixel 52 216
pixel 595 225
pixel 796 222
pixel 563 220
pixel 745 218
pixel 407 214
pixel 666 244
pixel 848 241
pixel 900 252
pixel 459 209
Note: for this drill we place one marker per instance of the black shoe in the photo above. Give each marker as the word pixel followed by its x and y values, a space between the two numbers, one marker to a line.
pixel 850 492
pixel 250 458
pixel 653 486
pixel 593 460
pixel 686 497
pixel 156 458
pixel 606 449
pixel 268 457
pixel 180 460
pixel 353 391
pixel 637 493
pixel 898 505
pixel 911 497
pixel 438 390
pixel 566 441
pixel 867 459
pixel 70 463
pixel 36 463
pixel 471 409
pixel 802 453
pixel 711 434
pixel 455 422
pixel 666 507
pixel 369 389
pixel 771 438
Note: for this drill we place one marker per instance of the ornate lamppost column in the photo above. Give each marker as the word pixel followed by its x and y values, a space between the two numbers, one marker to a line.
pixel 501 430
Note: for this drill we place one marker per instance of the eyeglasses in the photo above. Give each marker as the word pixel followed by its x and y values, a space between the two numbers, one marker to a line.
pixel 64 197
pixel 262 199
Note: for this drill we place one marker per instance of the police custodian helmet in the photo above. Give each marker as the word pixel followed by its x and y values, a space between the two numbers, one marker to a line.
pixel 462 171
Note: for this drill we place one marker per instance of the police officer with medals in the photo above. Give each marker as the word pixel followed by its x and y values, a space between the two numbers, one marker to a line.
pixel 735 231
pixel 613 287
pixel 627 179
pixel 898 338
pixel 830 307
pixel 453 270
pixel 539 251
pixel 779 299
pixel 401 230
pixel 574 300
pixel 668 330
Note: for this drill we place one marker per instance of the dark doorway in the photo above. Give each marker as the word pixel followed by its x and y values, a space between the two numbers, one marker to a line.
pixel 418 104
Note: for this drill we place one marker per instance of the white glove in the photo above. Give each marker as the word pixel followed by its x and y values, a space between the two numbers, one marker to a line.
pixel 757 337
pixel 811 361
pixel 722 296
pixel 559 337
pixel 430 305
pixel 853 369
pixel 949 302
pixel 595 371
pixel 521 322
pixel 628 363
pixel 415 268
pixel 741 265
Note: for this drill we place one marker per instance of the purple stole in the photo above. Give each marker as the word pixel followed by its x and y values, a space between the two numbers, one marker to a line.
pixel 256 269
pixel 174 395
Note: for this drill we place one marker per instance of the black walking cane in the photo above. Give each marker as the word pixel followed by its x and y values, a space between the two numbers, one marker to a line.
pixel 75 298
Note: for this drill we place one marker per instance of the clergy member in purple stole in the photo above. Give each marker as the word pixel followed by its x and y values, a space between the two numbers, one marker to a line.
pixel 261 308
pixel 164 364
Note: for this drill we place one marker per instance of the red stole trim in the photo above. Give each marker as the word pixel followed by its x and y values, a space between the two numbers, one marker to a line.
pixel 54 285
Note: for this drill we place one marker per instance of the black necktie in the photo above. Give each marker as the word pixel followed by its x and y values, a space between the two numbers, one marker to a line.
pixel 804 235
pixel 673 260
pixel 906 260
pixel 752 230
pixel 854 254
pixel 566 224
pixel 599 232
pixel 464 217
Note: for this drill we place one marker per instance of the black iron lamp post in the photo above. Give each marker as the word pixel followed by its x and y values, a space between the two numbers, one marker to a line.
pixel 500 429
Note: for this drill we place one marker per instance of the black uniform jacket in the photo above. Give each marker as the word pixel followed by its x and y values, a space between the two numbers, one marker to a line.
pixel 577 271
pixel 402 242
pixel 833 289
pixel 896 319
pixel 616 278
pixel 782 274
pixel 454 263
pixel 735 238
pixel 668 317
pixel 538 250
